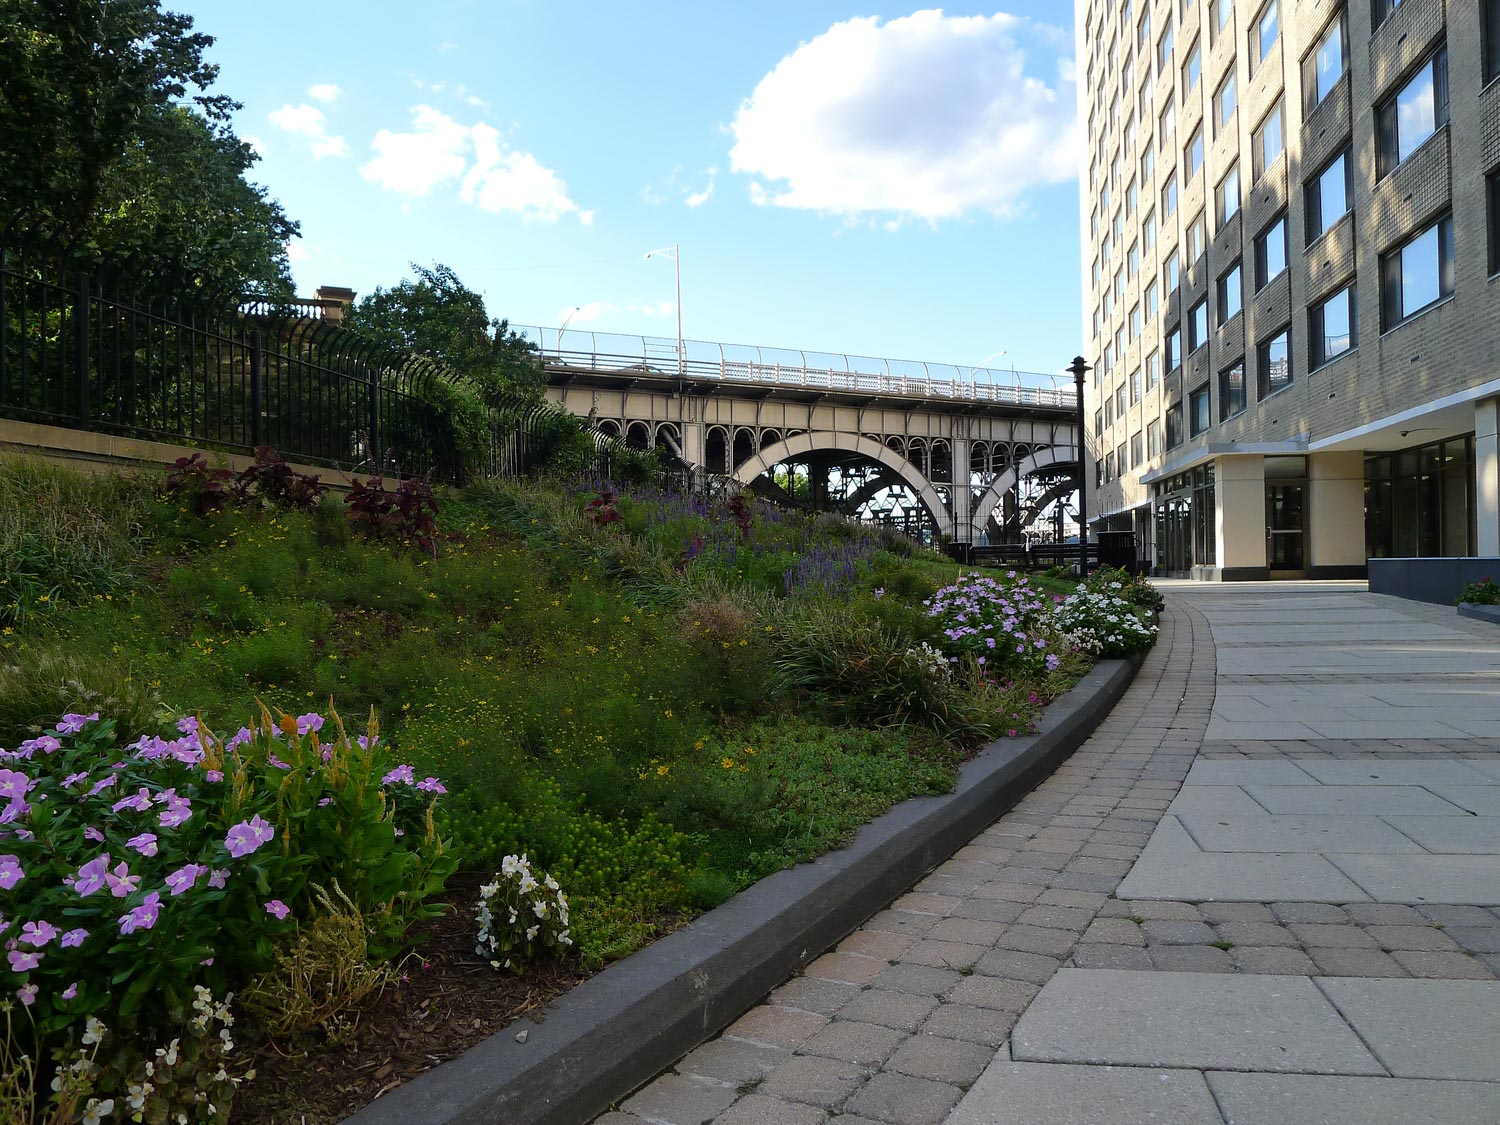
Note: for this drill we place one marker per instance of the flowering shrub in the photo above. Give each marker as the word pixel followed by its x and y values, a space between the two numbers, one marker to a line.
pixel 519 917
pixel 132 877
pixel 1122 584
pixel 1000 624
pixel 1103 624
pixel 1484 592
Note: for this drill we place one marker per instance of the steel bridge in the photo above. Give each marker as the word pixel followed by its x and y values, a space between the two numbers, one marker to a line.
pixel 879 438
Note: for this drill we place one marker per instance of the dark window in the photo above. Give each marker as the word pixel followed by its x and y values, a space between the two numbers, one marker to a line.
pixel 1418 274
pixel 1153 369
pixel 1328 196
pixel 1198 326
pixel 1174 350
pixel 1198 403
pixel 1418 110
pixel 1231 294
pixel 1270 253
pixel 1135 450
pixel 1332 327
pixel 1267 141
pixel 1231 390
pixel 1325 63
pixel 1382 8
pixel 1492 198
pixel 1273 360
pixel 1153 439
pixel 1490 11
pixel 1174 425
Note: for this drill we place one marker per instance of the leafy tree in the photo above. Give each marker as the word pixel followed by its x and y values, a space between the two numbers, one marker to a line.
pixel 438 316
pixel 111 140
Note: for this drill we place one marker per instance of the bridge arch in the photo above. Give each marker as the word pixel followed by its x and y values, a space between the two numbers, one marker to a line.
pixel 1007 480
pixel 921 487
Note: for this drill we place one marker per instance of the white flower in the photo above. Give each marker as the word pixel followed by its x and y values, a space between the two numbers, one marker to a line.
pixel 93 1031
pixel 96 1110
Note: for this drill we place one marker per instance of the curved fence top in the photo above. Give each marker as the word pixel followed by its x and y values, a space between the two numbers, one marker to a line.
pixel 611 352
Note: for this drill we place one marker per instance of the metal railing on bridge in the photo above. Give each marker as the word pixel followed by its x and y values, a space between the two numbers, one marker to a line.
pixel 616 353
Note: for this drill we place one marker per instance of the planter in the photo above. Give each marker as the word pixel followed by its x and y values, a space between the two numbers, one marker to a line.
pixel 1490 613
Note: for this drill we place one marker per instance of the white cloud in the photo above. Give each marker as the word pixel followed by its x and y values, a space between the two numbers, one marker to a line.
pixel 309 125
pixel 491 175
pixel 296 252
pixel 699 198
pixel 324 92
pixel 928 116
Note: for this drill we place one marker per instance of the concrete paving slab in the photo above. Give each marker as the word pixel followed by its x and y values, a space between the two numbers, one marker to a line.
pixel 1458 879
pixel 1428 772
pixel 1276 833
pixel 1483 800
pixel 1453 835
pixel 1227 731
pixel 1280 1099
pixel 1188 1020
pixel 1207 771
pixel 1011 1093
pixel 1423 1028
pixel 1214 800
pixel 1487 766
pixel 1420 726
pixel 1350 800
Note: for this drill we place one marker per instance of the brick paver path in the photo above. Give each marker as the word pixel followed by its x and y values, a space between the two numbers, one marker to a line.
pixel 899 1021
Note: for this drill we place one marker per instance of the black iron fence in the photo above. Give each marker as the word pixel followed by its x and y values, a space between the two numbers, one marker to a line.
pixel 86 350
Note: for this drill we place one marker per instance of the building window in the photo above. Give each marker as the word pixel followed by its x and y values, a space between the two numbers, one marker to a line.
pixel 1174 272
pixel 1148 231
pixel 1193 153
pixel 1153 370
pixel 1332 328
pixel 1490 31
pixel 1198 408
pixel 1224 103
pixel 1143 33
pixel 1328 196
pixel 1120 458
pixel 1418 274
pixel 1109 466
pixel 1263 34
pixel 1174 350
pixel 1099 426
pixel 1266 144
pixel 1167 126
pixel 1219 13
pixel 1197 238
pixel 1492 204
pixel 1273 360
pixel 1135 450
pixel 1192 70
pixel 1169 195
pixel 1132 260
pixel 1382 9
pixel 1120 402
pixel 1150 302
pixel 1231 390
pixel 1148 164
pixel 1227 196
pixel 1325 64
pixel 1120 284
pixel 1130 198
pixel 1231 294
pixel 1174 425
pixel 1135 386
pixel 1197 326
pixel 1109 411
pixel 1107 362
pixel 1134 322
pixel 1164 50
pixel 1153 438
pixel 1419 109
pixel 1270 253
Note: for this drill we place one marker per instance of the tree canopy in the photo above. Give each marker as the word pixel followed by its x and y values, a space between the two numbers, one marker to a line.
pixel 112 141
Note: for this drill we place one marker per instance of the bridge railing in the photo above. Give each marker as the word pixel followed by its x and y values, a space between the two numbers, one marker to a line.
pixel 616 353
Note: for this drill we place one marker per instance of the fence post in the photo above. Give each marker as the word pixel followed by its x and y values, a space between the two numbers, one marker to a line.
pixel 255 387
pixel 81 348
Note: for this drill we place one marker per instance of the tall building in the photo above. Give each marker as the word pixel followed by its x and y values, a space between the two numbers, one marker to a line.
pixel 1291 212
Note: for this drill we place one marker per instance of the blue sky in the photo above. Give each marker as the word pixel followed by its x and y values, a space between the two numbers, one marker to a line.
pixel 886 181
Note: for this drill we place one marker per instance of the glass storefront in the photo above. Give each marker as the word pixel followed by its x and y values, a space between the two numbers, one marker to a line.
pixel 1419 502
pixel 1286 506
pixel 1186 534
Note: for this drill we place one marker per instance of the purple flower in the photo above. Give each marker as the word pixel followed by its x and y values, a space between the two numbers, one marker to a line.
pixel 309 723
pixel 47 744
pixel 401 774
pixel 141 802
pixel 184 877
pixel 16 809
pixel 38 933
pixel 72 723
pixel 213 775
pixel 188 724
pixel 21 962
pixel 14 784
pixel 92 833
pixel 179 810
pixel 248 836
pixel 27 994
pixel 70 992
pixel 324 802
pixel 432 785
pixel 74 779
pixel 144 916
pixel 240 737
pixel 122 884
pixel 218 878
pixel 90 876
pixel 73 938
pixel 101 786
pixel 365 743
pixel 277 762
pixel 278 909
pixel 145 843
pixel 11 872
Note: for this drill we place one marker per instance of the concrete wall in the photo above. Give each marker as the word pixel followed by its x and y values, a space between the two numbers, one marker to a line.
pixel 1429 580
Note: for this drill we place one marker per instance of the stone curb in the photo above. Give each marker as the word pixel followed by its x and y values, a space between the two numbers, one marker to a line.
pixel 1489 613
pixel 623 1026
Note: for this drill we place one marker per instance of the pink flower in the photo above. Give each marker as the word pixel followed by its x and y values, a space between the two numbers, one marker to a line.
pixel 432 785
pixel 14 784
pixel 144 916
pixel 27 994
pixel 141 802
pixel 122 884
pixel 218 878
pixel 400 775
pixel 11 872
pixel 184 877
pixel 72 723
pixel 213 775
pixel 324 802
pixel 71 991
pixel 90 876
pixel 145 843
pixel 73 938
pixel 278 909
pixel 309 723
pixel 23 962
pixel 38 934
pixel 188 724
pixel 179 810
pixel 365 743
pixel 248 836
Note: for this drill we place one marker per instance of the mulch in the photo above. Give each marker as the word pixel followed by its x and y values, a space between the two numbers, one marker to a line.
pixel 446 1000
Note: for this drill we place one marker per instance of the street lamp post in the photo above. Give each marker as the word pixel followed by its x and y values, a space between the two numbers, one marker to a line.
pixel 567 320
pixel 1079 368
pixel 675 253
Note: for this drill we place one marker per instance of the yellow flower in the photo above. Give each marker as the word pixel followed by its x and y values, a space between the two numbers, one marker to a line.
pixel 699 745
pixel 727 763
pixel 662 771
pixel 668 712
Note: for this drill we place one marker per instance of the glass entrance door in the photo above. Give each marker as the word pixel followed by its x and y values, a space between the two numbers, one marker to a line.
pixel 1285 537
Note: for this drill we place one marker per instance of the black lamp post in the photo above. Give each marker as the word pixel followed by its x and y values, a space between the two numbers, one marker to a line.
pixel 1079 368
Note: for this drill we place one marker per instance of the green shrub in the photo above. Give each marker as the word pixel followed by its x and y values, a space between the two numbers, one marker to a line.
pixel 1484 592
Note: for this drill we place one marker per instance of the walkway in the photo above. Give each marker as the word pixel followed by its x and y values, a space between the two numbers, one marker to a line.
pixel 1259 893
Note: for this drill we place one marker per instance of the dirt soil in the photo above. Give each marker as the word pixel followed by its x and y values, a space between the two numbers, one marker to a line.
pixel 446 1001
